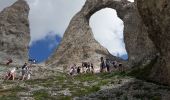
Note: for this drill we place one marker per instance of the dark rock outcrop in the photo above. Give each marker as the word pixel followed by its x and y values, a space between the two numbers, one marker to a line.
pixel 156 16
pixel 79 45
pixel 14 32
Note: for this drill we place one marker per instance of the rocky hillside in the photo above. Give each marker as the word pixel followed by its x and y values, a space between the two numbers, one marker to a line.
pixel 104 86
pixel 156 16
pixel 14 32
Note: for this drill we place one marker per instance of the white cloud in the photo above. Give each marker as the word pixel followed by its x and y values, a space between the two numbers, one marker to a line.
pixel 108 30
pixel 51 15
pixel 131 0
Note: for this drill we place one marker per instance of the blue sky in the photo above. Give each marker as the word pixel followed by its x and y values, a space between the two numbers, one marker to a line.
pixel 42 49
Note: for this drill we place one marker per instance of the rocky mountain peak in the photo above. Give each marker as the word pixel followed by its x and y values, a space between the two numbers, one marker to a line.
pixel 14 32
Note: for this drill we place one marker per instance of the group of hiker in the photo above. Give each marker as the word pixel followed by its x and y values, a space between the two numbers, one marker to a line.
pixel 105 66
pixel 86 67
pixel 25 70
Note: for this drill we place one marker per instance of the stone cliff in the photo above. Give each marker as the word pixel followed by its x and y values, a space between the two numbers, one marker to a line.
pixel 79 45
pixel 156 16
pixel 14 32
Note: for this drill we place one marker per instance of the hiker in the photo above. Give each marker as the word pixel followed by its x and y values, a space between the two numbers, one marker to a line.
pixel 92 68
pixel 32 61
pixel 78 70
pixel 115 64
pixel 121 68
pixel 88 68
pixel 84 66
pixel 24 71
pixel 72 70
pixel 9 61
pixel 102 64
pixel 28 73
pixel 11 74
pixel 107 65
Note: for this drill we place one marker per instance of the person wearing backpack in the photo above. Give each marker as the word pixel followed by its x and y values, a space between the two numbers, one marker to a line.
pixel 10 75
pixel 24 71
pixel 107 65
pixel 78 70
pixel 92 68
pixel 102 64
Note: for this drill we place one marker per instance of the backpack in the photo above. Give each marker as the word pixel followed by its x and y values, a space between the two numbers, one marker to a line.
pixel 24 66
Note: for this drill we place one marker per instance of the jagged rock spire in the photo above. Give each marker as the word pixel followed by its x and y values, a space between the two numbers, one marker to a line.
pixel 14 32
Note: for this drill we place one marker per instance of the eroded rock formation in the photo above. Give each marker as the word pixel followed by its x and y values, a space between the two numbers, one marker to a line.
pixel 156 16
pixel 14 32
pixel 79 45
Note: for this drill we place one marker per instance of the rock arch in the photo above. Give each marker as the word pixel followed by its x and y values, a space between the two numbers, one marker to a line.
pixel 78 43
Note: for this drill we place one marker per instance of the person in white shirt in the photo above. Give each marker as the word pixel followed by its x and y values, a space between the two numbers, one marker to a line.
pixel 11 74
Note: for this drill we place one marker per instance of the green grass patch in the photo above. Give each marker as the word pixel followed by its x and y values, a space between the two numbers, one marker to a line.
pixel 65 98
pixel 42 95
pixel 11 94
pixel 9 82
pixel 86 77
pixel 103 82
pixel 36 81
pixel 15 89
pixel 94 89
pixel 85 90
pixel 9 97
pixel 44 82
pixel 112 75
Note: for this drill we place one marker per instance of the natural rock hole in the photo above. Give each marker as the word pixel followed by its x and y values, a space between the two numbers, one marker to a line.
pixel 108 29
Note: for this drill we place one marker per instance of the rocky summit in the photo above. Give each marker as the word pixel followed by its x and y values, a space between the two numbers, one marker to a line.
pixel 14 33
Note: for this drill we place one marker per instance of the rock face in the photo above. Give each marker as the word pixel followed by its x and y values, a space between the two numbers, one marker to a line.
pixel 79 45
pixel 156 16
pixel 14 32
